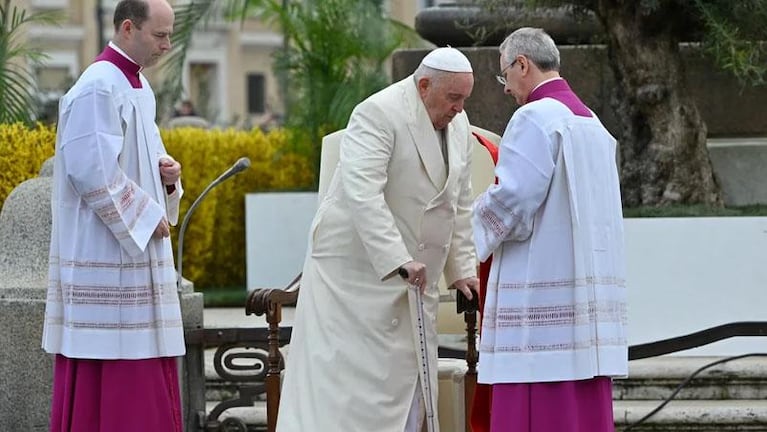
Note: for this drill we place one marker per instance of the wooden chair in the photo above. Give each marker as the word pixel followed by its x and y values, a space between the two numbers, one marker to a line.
pixel 269 301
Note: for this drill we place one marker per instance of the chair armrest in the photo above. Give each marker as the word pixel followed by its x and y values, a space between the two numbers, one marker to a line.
pixel 269 302
pixel 266 300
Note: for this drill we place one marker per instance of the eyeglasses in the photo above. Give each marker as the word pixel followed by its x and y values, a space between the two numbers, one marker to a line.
pixel 502 79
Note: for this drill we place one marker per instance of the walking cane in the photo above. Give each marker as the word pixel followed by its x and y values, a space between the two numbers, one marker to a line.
pixel 426 377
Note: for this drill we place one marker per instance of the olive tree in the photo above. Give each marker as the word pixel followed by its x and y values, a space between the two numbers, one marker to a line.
pixel 664 159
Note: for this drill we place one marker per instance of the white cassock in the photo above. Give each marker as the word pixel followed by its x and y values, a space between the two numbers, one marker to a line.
pixel 555 307
pixel 112 291
pixel 353 358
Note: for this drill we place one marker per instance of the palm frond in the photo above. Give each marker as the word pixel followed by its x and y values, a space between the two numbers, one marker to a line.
pixel 17 59
pixel 189 16
pixel 334 55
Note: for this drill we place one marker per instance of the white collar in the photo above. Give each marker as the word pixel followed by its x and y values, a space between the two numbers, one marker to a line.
pixel 544 82
pixel 122 53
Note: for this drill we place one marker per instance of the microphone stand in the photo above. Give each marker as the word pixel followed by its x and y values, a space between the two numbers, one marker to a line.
pixel 241 165
pixel 193 409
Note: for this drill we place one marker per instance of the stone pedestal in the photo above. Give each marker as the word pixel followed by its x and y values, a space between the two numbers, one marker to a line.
pixel 26 371
pixel 461 24
pixel 739 166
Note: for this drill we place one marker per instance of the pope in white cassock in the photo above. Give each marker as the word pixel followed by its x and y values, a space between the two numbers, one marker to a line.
pixel 554 323
pixel 112 314
pixel 400 198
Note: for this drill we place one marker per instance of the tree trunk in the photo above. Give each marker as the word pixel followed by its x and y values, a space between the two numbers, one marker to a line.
pixel 664 159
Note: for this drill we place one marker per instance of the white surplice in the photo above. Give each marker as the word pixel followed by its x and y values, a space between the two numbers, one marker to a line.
pixel 556 297
pixel 112 290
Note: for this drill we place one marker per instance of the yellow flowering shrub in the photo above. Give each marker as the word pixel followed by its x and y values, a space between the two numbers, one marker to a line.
pixel 22 153
pixel 214 243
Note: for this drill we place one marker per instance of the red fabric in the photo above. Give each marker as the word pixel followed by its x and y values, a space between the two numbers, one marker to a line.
pixel 489 145
pixel 572 406
pixel 116 395
pixel 480 408
pixel 483 393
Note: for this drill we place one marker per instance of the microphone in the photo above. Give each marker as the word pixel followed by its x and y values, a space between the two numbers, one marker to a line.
pixel 242 164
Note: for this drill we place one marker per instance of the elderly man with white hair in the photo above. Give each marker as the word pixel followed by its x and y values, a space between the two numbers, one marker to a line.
pixel 399 203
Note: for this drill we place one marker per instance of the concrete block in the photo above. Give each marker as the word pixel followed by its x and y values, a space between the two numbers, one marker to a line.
pixel 26 371
pixel 739 167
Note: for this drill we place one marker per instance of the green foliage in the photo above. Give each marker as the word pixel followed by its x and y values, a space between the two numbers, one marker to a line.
pixel 334 54
pixel 225 297
pixel 17 82
pixel 334 58
pixel 735 35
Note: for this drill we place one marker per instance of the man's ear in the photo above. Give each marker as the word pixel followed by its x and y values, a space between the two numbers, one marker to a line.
pixel 126 26
pixel 423 85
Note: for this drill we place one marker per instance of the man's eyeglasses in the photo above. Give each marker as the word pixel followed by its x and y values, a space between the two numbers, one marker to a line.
pixel 502 79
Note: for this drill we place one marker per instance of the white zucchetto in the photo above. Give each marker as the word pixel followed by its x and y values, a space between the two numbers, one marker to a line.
pixel 447 59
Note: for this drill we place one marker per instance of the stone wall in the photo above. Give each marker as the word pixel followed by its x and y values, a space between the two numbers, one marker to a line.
pixel 728 109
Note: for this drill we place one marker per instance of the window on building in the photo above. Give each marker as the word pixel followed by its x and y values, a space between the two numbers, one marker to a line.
pixel 53 78
pixel 52 82
pixel 256 93
pixel 203 88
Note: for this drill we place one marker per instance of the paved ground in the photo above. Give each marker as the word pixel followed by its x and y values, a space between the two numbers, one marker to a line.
pixel 235 317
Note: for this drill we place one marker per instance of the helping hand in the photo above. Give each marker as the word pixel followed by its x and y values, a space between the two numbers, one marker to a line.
pixel 467 285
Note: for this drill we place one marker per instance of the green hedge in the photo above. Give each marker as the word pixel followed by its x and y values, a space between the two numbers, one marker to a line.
pixel 214 244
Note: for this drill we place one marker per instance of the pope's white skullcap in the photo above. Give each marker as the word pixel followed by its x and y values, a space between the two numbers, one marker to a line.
pixel 447 59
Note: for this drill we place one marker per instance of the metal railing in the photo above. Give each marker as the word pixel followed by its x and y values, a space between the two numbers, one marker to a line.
pixel 240 358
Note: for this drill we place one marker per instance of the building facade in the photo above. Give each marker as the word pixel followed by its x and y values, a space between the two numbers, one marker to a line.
pixel 228 72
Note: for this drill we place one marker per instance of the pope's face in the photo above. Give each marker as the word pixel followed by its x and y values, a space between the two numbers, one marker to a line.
pixel 445 96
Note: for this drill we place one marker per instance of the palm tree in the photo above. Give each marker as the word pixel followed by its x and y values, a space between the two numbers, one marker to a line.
pixel 334 54
pixel 17 82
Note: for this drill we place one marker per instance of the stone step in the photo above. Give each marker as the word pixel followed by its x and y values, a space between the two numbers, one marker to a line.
pixel 649 379
pixel 677 416
pixel 254 417
pixel 693 415
pixel 656 378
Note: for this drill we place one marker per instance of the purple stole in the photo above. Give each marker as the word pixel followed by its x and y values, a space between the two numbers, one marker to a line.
pixel 130 69
pixel 559 90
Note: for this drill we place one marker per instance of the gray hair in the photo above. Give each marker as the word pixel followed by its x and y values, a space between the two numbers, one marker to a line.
pixel 434 75
pixel 533 43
